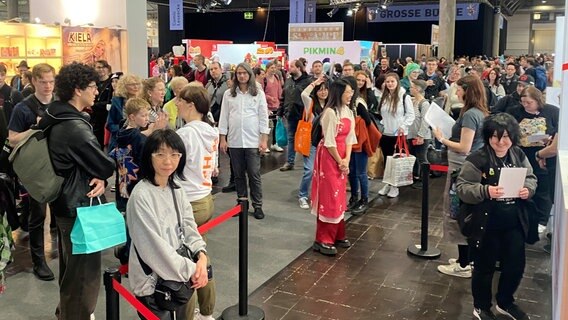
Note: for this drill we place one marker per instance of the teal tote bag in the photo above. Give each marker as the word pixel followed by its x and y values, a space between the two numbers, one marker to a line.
pixel 97 228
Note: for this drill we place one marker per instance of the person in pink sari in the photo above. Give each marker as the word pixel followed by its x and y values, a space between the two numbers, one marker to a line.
pixel 331 168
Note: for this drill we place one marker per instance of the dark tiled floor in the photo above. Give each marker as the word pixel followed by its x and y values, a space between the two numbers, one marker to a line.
pixel 376 279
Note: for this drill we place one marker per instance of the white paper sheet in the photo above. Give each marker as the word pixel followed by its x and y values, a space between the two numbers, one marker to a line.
pixel 436 117
pixel 537 138
pixel 512 181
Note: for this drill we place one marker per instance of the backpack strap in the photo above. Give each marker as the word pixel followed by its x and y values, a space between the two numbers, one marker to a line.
pixel 404 102
pixel 33 105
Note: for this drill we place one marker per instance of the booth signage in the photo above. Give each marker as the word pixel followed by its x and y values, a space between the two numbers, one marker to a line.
pixel 425 12
pixel 176 14
pixel 248 15
pixel 87 45
pixel 328 31
pixel 333 51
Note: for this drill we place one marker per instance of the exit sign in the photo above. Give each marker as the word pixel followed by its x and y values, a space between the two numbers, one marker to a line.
pixel 248 16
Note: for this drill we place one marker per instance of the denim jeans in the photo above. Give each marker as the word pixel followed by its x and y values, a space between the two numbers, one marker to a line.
pixel 358 174
pixel 247 161
pixel 292 126
pixel 308 172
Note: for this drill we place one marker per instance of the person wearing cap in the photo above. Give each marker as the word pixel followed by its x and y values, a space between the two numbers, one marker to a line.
pixel 16 81
pixel 514 99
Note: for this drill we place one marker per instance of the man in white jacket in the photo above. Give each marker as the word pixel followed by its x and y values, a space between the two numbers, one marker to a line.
pixel 243 129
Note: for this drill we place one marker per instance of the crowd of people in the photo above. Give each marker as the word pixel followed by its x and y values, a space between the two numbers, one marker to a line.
pixel 161 141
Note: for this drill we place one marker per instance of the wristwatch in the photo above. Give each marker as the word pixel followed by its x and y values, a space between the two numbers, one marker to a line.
pixel 196 255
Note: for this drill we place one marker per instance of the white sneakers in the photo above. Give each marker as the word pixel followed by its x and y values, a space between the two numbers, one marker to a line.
pixel 267 150
pixel 393 192
pixel 304 203
pixel 541 228
pixel 199 316
pixel 384 190
pixel 389 191
pixel 276 148
pixel 454 269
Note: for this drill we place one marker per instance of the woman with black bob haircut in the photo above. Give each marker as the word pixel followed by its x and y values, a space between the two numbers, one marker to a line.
pixel 152 214
pixel 496 227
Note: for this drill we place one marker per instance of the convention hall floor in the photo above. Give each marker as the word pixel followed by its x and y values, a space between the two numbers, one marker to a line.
pixel 374 279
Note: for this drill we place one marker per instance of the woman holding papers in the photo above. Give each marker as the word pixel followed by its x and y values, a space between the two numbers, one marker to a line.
pixel 538 122
pixel 397 111
pixel 496 224
pixel 465 138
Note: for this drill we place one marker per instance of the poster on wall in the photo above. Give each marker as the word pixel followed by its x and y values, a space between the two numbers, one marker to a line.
pixel 207 48
pixel 237 53
pixel 435 37
pixel 88 45
pixel 325 31
pixel 332 51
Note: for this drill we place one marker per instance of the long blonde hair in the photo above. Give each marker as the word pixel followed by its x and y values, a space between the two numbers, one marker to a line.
pixel 121 90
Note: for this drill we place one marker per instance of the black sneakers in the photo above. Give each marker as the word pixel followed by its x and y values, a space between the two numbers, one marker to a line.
pixel 258 213
pixel 513 312
pixel 481 314
pixel 229 188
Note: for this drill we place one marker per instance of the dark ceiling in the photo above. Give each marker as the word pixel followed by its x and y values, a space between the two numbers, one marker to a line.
pixel 508 7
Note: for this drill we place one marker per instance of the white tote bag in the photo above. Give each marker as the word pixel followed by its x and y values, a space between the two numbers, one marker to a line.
pixel 398 168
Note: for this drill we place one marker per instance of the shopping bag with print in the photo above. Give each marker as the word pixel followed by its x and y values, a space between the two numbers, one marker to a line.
pixel 281 135
pixel 97 227
pixel 398 168
pixel 303 136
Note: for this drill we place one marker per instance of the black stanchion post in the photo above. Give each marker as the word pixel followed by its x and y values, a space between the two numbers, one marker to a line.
pixel 421 250
pixel 112 303
pixel 243 310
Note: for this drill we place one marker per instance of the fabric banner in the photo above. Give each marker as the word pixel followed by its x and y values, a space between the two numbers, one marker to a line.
pixel 328 31
pixel 176 14
pixel 425 12
pixel 88 45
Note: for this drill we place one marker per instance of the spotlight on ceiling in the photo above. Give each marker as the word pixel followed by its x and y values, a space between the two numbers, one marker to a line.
pixel 332 12
pixel 226 2
pixel 350 12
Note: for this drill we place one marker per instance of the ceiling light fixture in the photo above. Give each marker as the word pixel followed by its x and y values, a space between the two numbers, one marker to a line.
pixel 332 12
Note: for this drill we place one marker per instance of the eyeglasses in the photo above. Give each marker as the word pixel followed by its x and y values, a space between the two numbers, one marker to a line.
pixel 92 86
pixel 163 156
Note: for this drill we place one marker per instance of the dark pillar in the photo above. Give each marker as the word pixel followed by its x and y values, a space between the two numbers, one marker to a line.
pixel 166 37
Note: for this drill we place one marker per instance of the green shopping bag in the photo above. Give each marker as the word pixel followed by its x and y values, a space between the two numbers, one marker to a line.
pixel 97 228
pixel 281 134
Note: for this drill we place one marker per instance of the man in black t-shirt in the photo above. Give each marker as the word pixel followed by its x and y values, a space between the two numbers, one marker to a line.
pixel 25 115
pixel 436 85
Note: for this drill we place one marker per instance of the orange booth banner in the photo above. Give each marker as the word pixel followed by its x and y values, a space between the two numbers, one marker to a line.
pixel 207 48
pixel 88 45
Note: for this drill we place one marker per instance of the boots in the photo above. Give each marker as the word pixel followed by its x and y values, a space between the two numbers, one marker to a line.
pixel 42 271
pixel 361 207
pixel 352 203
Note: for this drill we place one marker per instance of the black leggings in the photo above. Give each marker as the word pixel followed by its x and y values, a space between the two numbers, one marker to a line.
pixel 387 146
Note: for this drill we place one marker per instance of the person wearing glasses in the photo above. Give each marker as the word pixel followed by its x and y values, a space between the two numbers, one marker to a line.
pixel 129 86
pixel 155 206
pixel 25 115
pixel 77 156
pixel 243 130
